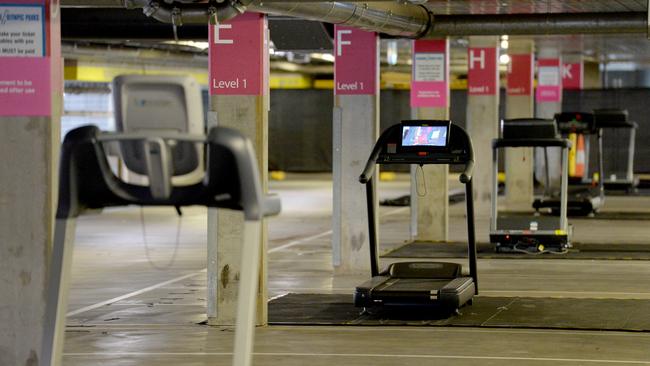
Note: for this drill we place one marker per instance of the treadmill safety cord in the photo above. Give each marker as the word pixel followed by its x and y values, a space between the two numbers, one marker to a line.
pixel 424 181
pixel 172 260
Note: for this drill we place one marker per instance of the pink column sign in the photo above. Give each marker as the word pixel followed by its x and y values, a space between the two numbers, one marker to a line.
pixel 520 74
pixel 572 75
pixel 549 80
pixel 25 85
pixel 482 71
pixel 430 79
pixel 237 55
pixel 356 68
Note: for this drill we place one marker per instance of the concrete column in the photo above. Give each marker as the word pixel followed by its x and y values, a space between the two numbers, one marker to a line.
pixel 520 104
pixel 430 100
pixel 549 102
pixel 31 92
pixel 239 93
pixel 355 131
pixel 592 76
pixel 483 114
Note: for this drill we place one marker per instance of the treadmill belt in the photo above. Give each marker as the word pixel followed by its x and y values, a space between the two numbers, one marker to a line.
pixel 509 312
pixel 486 251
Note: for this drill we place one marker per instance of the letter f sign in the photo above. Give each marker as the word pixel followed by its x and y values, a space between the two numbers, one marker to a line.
pixel 340 42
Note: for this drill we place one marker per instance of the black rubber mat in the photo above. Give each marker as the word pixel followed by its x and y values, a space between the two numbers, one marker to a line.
pixel 486 251
pixel 509 312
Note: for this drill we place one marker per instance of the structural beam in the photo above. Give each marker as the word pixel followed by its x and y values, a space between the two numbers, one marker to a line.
pixel 483 113
pixel 520 104
pixel 430 100
pixel 31 92
pixel 238 99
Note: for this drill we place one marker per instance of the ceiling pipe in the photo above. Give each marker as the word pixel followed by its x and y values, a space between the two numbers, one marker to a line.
pixel 400 20
pixel 397 19
pixel 538 24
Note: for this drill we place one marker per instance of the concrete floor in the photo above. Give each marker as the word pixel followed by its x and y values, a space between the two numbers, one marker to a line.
pixel 139 304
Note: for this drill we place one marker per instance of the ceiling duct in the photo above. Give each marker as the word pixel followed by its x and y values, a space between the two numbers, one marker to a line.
pixel 400 20
pixel 539 24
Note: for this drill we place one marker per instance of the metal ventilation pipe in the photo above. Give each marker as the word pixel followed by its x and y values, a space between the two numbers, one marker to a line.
pixel 188 13
pixel 402 20
pixel 539 24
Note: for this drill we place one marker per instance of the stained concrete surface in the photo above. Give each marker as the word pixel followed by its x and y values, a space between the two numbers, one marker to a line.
pixel 137 304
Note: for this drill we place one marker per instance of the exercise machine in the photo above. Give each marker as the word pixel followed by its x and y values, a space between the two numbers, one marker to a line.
pixel 618 171
pixel 437 284
pixel 159 104
pixel 86 182
pixel 584 197
pixel 522 232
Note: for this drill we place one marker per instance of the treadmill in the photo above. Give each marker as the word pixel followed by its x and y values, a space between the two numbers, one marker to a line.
pixel 439 285
pixel 619 177
pixel 521 232
pixel 584 198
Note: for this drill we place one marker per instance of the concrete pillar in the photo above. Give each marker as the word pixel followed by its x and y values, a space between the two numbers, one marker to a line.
pixel 483 114
pixel 592 78
pixel 239 98
pixel 430 100
pixel 520 104
pixel 31 92
pixel 549 102
pixel 355 131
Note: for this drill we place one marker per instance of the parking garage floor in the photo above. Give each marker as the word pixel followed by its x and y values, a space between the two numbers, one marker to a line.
pixel 141 302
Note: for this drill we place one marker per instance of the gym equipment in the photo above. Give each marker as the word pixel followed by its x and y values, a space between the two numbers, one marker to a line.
pixel 159 104
pixel 618 170
pixel 437 284
pixel 86 182
pixel 583 198
pixel 518 232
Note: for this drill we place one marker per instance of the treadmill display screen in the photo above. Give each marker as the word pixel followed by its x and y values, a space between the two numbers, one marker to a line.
pixel 426 136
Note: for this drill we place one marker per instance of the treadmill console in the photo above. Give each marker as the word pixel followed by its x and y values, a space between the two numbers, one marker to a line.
pixel 528 128
pixel 423 142
pixel 575 122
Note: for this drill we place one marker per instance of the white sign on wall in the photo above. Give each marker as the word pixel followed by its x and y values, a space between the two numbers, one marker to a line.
pixel 429 67
pixel 22 31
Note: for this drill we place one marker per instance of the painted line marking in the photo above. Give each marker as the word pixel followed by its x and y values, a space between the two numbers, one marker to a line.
pixel 366 355
pixel 134 293
pixel 324 233
pixel 355 329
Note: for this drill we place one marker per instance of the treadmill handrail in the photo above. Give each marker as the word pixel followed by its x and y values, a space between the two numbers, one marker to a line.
pixel 560 142
pixel 369 169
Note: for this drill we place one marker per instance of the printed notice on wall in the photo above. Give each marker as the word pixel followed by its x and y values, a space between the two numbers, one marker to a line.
pixel 429 67
pixel 22 31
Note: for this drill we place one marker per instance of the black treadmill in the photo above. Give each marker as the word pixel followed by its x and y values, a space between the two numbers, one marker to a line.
pixel 523 232
pixel 616 175
pixel 439 285
pixel 584 198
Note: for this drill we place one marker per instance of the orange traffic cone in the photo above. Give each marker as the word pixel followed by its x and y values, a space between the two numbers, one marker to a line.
pixel 580 157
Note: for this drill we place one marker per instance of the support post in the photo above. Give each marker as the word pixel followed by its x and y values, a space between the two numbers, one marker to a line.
pixel 356 129
pixel 430 100
pixel 549 102
pixel 520 104
pixel 239 99
pixel 31 92
pixel 483 113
